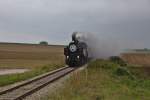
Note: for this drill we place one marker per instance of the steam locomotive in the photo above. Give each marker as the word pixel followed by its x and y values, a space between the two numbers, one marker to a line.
pixel 76 53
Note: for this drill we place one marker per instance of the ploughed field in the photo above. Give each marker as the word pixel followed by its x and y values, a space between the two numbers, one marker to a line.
pixel 137 58
pixel 38 59
pixel 26 55
pixel 141 61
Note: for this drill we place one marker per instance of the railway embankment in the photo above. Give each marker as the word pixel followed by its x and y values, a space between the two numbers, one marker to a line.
pixel 55 86
pixel 31 84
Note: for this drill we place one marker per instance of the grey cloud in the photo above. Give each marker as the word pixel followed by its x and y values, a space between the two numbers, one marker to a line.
pixel 126 21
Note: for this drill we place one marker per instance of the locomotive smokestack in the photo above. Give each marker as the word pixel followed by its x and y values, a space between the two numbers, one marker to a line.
pixel 77 36
pixel 74 36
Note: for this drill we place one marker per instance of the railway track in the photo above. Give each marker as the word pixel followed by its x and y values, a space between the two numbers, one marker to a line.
pixel 23 90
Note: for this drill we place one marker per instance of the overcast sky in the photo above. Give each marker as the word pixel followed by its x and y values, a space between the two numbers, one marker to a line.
pixel 127 21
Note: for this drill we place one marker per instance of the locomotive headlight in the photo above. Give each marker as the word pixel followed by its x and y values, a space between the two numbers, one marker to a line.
pixel 73 48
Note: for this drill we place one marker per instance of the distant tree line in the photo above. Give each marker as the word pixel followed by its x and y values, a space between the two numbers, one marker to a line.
pixel 145 49
pixel 43 43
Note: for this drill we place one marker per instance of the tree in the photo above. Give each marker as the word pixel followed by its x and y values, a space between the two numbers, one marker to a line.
pixel 43 43
pixel 146 49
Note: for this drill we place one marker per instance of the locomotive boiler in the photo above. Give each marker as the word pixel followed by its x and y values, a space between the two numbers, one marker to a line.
pixel 76 53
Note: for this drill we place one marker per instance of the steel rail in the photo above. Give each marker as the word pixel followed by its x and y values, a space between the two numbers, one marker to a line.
pixel 34 85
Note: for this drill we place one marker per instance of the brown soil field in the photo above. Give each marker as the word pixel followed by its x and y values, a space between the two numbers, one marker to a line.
pixel 13 55
pixel 137 58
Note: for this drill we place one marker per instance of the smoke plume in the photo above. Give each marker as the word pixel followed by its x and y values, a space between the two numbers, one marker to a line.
pixel 100 47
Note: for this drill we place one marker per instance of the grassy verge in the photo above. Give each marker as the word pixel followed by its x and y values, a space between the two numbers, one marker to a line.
pixel 10 79
pixel 104 80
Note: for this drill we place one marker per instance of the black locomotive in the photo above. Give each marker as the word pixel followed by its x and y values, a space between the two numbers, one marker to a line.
pixel 76 52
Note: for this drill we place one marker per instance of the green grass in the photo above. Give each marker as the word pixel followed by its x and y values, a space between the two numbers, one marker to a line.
pixel 104 80
pixel 10 79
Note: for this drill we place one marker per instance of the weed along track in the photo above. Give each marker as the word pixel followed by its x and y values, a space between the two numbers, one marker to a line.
pixel 21 91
